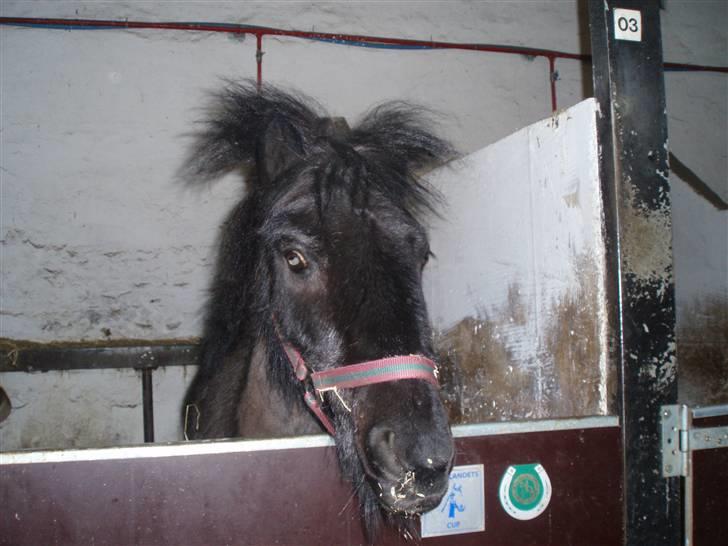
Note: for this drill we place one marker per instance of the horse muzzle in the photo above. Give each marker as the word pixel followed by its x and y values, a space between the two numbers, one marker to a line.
pixel 408 456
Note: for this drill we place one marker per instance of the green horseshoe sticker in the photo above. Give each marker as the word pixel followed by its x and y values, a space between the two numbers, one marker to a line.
pixel 525 491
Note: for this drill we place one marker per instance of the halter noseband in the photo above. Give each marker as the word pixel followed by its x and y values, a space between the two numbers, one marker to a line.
pixel 370 372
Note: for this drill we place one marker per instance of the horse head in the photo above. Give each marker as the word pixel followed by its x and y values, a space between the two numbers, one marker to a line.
pixel 323 261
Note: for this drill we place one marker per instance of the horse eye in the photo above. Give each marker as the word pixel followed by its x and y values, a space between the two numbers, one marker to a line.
pixel 295 260
pixel 426 260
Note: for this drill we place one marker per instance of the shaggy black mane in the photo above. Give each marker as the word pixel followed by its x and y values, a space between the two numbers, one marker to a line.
pixel 392 142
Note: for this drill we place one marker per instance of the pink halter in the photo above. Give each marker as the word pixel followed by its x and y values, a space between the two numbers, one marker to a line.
pixel 357 375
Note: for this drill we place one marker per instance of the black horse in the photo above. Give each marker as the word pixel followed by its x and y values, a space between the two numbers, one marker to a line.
pixel 319 267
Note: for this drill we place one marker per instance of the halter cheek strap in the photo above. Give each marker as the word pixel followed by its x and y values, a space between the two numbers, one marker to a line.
pixel 302 373
pixel 370 372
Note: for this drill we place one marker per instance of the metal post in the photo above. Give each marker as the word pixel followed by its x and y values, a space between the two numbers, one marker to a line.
pixel 632 125
pixel 148 404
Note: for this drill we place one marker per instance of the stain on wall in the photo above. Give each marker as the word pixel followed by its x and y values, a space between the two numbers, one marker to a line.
pixel 572 341
pixel 480 379
pixel 485 379
pixel 702 352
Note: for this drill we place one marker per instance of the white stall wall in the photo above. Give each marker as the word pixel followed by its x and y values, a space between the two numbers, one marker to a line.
pixel 90 408
pixel 97 239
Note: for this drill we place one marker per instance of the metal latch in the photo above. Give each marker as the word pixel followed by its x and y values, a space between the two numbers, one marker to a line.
pixel 680 438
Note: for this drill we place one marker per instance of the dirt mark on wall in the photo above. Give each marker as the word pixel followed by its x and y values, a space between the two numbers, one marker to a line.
pixel 702 352
pixel 481 380
pixel 488 376
pixel 573 340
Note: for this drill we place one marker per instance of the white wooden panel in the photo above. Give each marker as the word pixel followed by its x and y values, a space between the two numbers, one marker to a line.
pixel 516 289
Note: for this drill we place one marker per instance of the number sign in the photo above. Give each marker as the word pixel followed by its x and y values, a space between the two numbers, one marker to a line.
pixel 627 24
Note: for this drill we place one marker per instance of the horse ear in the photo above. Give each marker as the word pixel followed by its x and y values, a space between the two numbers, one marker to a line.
pixel 244 126
pixel 280 146
pixel 403 134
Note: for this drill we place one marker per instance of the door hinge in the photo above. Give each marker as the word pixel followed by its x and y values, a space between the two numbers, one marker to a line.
pixel 680 437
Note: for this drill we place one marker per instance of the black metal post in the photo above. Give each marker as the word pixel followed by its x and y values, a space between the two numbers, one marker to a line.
pixel 148 404
pixel 632 125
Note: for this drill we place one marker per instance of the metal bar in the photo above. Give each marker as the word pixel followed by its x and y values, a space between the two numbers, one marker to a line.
pixel 337 38
pixel 708 438
pixel 632 127
pixel 349 39
pixel 688 489
pixel 55 358
pixel 688 508
pixel 553 76
pixel 259 59
pixel 148 404
pixel 697 184
pixel 674 462
pixel 299 442
pixel 710 411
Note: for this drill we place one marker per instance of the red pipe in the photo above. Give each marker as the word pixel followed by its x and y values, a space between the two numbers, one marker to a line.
pixel 261 31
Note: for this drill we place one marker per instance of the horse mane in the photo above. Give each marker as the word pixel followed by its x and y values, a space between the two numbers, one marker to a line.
pixel 245 127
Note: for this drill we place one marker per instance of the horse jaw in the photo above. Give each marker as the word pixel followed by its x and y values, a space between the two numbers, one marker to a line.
pixel 264 411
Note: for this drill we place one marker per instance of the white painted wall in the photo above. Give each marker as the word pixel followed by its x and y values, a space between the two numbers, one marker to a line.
pixel 96 236
pixel 520 251
pixel 523 210
pixel 89 408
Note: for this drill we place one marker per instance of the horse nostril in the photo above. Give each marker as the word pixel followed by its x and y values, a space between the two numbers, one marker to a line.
pixel 394 456
pixel 389 439
pixel 381 444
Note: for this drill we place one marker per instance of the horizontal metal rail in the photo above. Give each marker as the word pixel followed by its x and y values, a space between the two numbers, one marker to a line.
pixel 184 449
pixel 710 411
pixel 45 358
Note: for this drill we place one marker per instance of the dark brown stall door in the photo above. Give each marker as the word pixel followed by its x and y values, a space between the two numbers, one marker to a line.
pixel 296 496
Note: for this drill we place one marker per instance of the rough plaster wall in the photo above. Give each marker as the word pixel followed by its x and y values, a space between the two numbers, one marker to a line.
pixel 89 408
pixel 96 239
pixel 72 409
